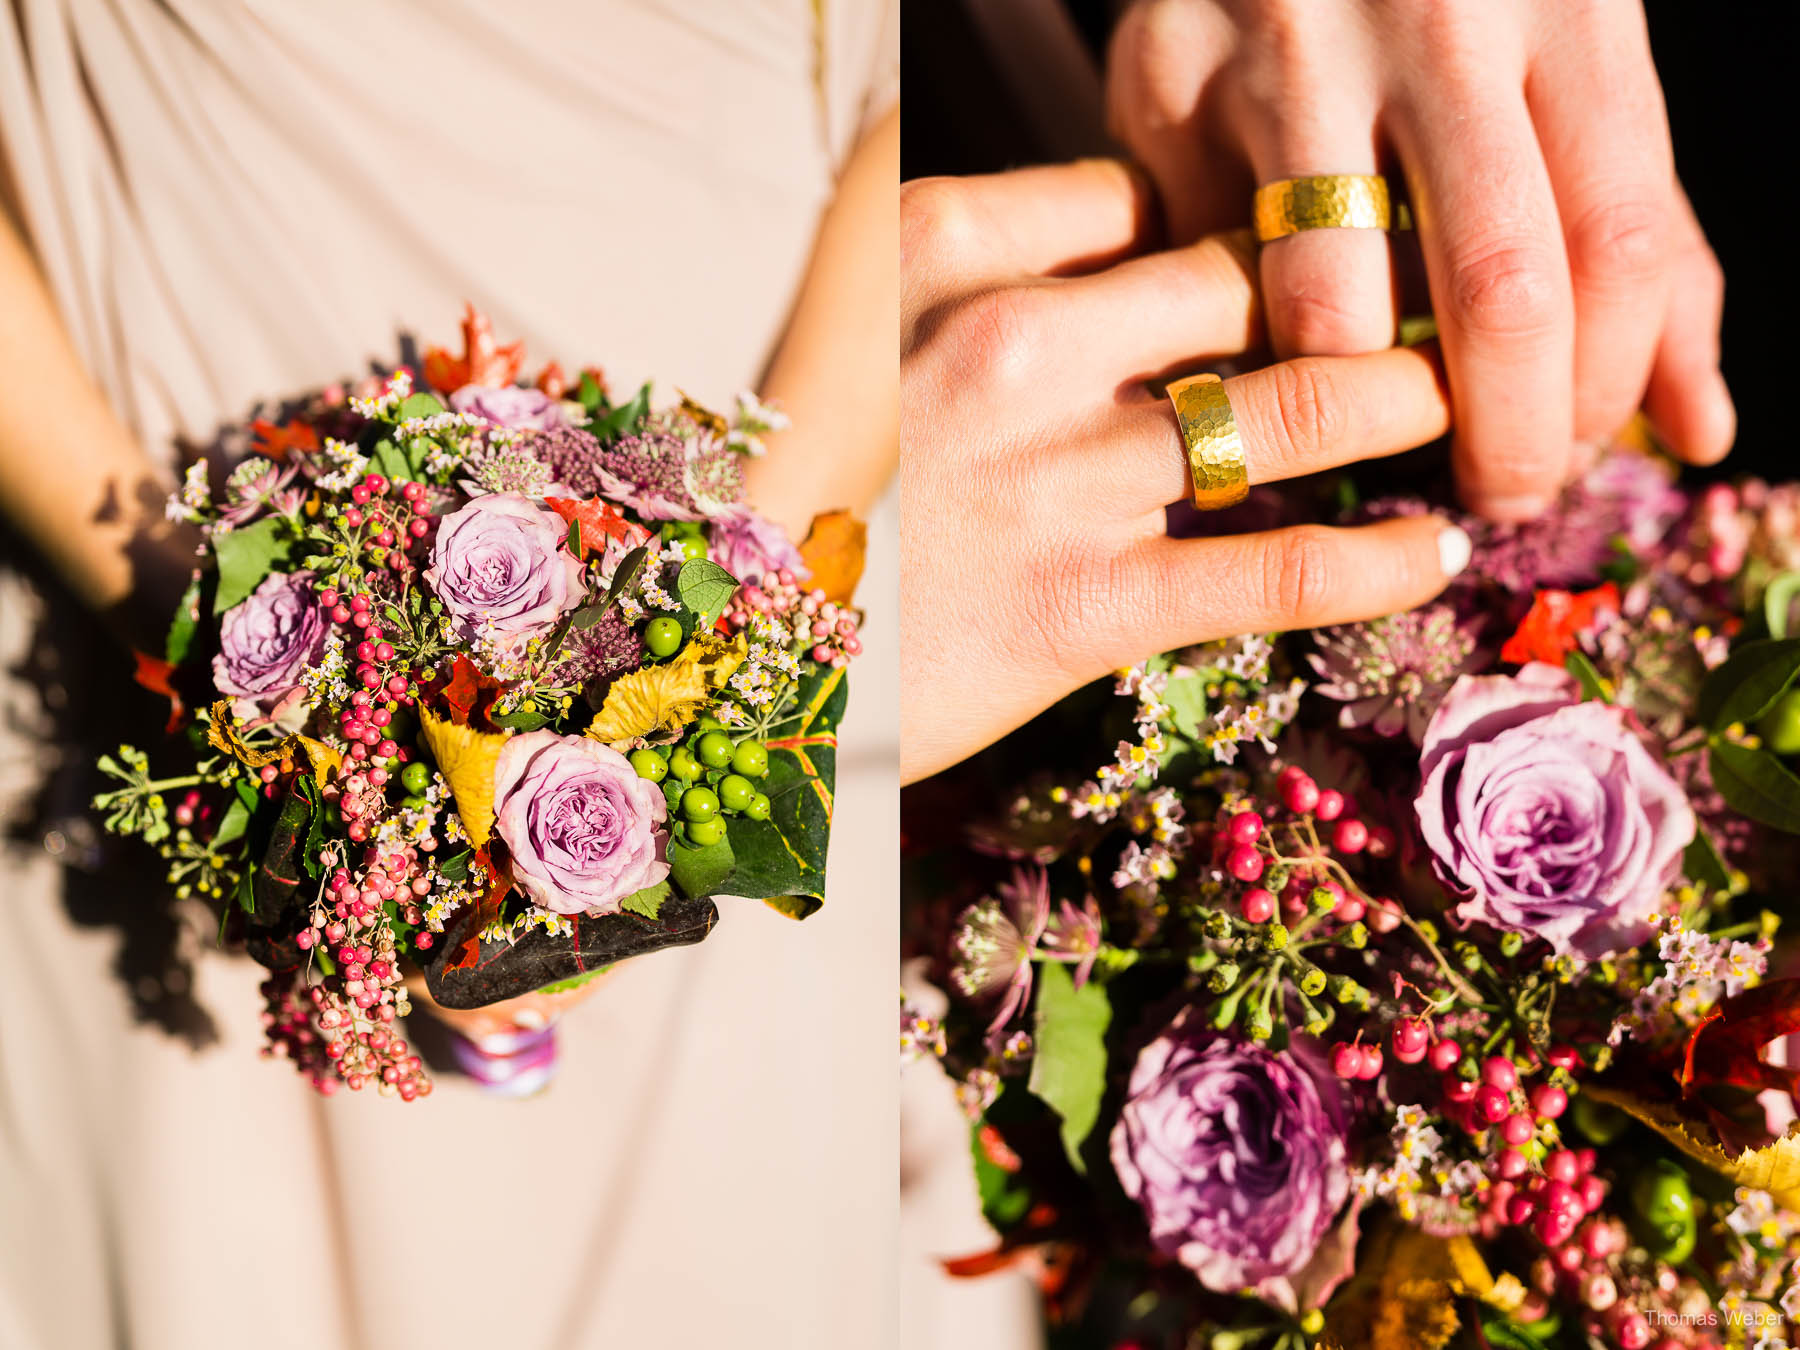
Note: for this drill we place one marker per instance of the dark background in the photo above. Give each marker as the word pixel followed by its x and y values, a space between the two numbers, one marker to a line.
pixel 1729 78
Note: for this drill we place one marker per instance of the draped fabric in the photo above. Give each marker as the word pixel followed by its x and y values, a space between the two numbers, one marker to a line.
pixel 234 201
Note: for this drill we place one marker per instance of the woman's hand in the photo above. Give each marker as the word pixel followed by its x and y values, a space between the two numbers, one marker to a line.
pixel 1569 277
pixel 1035 465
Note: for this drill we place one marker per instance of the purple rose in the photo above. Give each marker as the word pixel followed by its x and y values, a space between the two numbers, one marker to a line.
pixel 1236 1154
pixel 510 406
pixel 1549 814
pixel 584 830
pixel 500 568
pixel 747 545
pixel 269 639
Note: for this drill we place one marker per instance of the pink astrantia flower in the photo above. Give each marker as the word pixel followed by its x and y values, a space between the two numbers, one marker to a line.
pixel 1548 814
pixel 584 829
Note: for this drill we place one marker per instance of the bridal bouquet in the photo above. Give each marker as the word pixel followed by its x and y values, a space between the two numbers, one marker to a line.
pixel 501 683
pixel 1406 984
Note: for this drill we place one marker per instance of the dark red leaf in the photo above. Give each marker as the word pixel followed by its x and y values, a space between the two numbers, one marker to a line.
pixel 153 673
pixel 599 520
pixel 1549 631
pixel 1725 1050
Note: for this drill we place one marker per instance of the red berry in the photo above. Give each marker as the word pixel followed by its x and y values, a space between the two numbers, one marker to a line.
pixel 1411 1040
pixel 1549 1101
pixel 1519 1209
pixel 1517 1129
pixel 1292 774
pixel 328 597
pixel 1446 1055
pixel 1371 1061
pixel 1256 905
pixel 1351 836
pixel 1492 1103
pixel 1381 841
pixel 1561 1167
pixel 1301 795
pixel 1244 827
pixel 1346 1060
pixel 1458 1090
pixel 1563 1057
pixel 1244 863
pixel 1351 909
pixel 1500 1072
pixel 1554 1227
pixel 1330 804
pixel 1511 1164
pixel 1593 1193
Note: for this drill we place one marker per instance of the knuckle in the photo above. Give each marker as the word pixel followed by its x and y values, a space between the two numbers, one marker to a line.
pixel 995 336
pixel 1297 572
pixel 1154 76
pixel 937 219
pixel 1624 240
pixel 1308 406
pixel 1504 291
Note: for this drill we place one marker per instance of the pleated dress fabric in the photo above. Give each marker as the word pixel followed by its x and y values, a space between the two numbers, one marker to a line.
pixel 235 201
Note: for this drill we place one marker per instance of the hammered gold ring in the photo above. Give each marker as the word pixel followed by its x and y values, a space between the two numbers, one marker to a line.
pixel 1332 201
pixel 1215 451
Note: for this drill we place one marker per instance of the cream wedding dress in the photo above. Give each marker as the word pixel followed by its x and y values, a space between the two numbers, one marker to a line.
pixel 237 200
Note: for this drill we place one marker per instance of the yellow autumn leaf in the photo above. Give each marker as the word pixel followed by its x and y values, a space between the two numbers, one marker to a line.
pixel 1402 1295
pixel 324 760
pixel 466 758
pixel 1774 1168
pixel 664 698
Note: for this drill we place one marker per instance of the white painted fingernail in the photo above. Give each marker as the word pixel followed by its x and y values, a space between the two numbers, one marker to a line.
pixel 1454 549
pixel 530 1019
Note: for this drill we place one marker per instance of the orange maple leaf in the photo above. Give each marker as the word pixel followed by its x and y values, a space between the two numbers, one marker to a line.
pixel 278 441
pixel 463 695
pixel 599 520
pixel 153 673
pixel 1550 630
pixel 484 361
pixel 833 552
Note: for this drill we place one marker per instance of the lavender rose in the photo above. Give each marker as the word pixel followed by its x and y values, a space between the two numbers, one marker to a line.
pixel 749 545
pixel 1549 814
pixel 501 570
pixel 584 830
pixel 510 406
pixel 1236 1154
pixel 268 640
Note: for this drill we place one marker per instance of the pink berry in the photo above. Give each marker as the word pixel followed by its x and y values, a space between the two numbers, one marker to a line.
pixel 1446 1055
pixel 1499 1071
pixel 328 597
pixel 1411 1040
pixel 1549 1101
pixel 1511 1164
pixel 1519 1209
pixel 1351 836
pixel 1371 1061
pixel 1346 1060
pixel 1244 827
pixel 1458 1089
pixel 1381 841
pixel 1330 805
pixel 1292 774
pixel 1301 795
pixel 1561 1166
pixel 1491 1102
pixel 1517 1129
pixel 377 483
pixel 1351 909
pixel 1256 905
pixel 1593 1193
pixel 1633 1332
pixel 1553 1227
pixel 1563 1057
pixel 1244 863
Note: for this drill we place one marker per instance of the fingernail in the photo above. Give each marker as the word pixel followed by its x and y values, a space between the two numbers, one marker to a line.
pixel 530 1019
pixel 1454 549
pixel 1512 509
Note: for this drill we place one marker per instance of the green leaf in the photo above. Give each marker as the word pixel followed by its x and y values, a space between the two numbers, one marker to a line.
pixel 588 393
pixel 184 625
pixel 623 418
pixel 456 867
pixel 626 574
pixel 705 587
pixel 246 556
pixel 316 833
pixel 1068 1069
pixel 1778 599
pixel 1757 784
pixel 246 891
pixel 1186 698
pixel 233 824
pixel 524 718
pixel 387 457
pixel 1748 683
pixel 573 982
pixel 588 616
pixel 418 405
pixel 701 871
pixel 573 541
pixel 1592 685
pixel 1702 863
pixel 647 902
pixel 1005 1199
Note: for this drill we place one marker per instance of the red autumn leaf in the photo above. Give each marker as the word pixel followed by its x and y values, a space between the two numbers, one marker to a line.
pixel 487 910
pixel 599 519
pixel 1549 631
pixel 483 361
pixel 153 673
pixel 1725 1050
pixel 278 441
pixel 552 381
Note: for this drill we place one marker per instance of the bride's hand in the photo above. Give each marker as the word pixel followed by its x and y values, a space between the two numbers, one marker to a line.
pixel 1035 465
pixel 1568 274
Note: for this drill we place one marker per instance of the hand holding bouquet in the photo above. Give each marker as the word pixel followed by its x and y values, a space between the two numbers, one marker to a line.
pixel 503 682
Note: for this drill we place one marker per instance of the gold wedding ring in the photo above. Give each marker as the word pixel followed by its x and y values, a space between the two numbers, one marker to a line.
pixel 1332 201
pixel 1215 451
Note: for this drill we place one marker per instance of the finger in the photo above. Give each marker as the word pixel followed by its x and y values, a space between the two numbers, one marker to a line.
pixel 1500 289
pixel 1182 306
pixel 1295 418
pixel 1194 590
pixel 958 235
pixel 1605 140
pixel 1687 400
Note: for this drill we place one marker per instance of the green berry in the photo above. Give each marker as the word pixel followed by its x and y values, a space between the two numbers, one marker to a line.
pixel 662 636
pixel 704 833
pixel 736 792
pixel 708 722
pixel 699 803
pixel 714 749
pixel 415 778
pixel 412 803
pixel 649 764
pixel 758 808
pixel 751 759
pixel 691 547
pixel 683 764
pixel 1780 726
